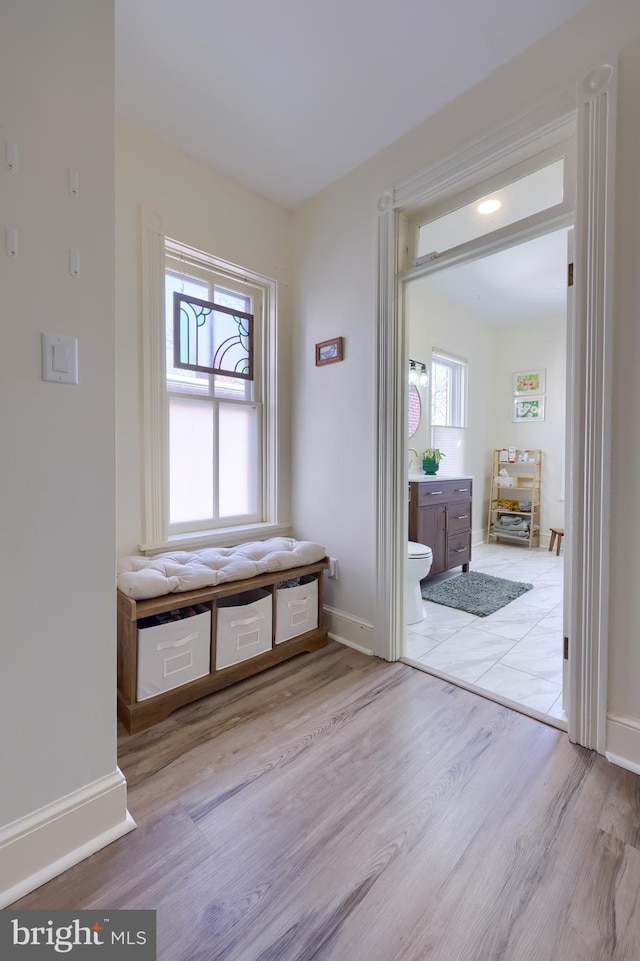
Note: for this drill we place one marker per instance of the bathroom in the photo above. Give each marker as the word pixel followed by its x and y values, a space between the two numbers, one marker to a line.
pixel 468 334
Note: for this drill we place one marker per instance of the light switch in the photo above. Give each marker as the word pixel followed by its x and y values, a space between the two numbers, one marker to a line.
pixel 60 362
pixel 60 359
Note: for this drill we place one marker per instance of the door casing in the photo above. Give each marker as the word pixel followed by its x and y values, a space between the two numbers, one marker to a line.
pixel 589 109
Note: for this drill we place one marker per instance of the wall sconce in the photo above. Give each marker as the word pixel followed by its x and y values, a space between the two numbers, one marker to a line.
pixel 418 374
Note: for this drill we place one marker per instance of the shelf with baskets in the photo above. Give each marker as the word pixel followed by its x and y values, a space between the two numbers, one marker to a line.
pixel 515 488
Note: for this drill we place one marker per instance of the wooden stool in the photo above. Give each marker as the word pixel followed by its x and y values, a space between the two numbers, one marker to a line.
pixel 559 533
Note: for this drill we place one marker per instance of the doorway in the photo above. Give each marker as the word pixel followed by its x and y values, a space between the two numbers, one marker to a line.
pixel 501 313
pixel 586 110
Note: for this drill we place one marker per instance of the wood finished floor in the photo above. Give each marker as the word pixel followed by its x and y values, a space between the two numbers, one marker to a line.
pixel 340 808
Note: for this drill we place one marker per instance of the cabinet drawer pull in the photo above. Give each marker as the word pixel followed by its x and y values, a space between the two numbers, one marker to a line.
pixel 462 517
pixel 460 550
pixel 431 493
pixel 462 490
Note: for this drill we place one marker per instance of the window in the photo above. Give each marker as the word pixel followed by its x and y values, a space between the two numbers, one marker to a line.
pixel 449 411
pixel 210 435
pixel 448 391
pixel 215 421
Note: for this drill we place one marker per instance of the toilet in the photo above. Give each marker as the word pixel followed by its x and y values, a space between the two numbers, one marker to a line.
pixel 418 566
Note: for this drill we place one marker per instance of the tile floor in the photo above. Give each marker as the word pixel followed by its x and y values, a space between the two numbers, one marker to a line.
pixel 515 653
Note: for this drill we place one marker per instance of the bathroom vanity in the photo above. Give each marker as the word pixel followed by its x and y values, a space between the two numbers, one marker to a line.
pixel 440 517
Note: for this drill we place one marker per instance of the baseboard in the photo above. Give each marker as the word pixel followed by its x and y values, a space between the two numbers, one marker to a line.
pixel 38 847
pixel 349 630
pixel 623 741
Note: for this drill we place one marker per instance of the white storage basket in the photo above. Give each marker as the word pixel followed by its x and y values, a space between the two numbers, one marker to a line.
pixel 296 609
pixel 173 653
pixel 243 627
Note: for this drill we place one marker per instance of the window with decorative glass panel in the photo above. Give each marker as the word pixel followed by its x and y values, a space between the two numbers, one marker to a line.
pixel 215 419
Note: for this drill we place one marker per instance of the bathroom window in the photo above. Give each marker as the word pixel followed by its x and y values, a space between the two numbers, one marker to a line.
pixel 449 411
pixel 448 391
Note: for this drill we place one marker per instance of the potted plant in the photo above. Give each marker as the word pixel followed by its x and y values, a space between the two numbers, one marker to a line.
pixel 431 458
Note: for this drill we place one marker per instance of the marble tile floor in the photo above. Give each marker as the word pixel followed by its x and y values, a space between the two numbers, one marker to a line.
pixel 515 653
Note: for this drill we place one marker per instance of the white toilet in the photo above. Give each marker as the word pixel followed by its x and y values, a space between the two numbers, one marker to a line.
pixel 418 566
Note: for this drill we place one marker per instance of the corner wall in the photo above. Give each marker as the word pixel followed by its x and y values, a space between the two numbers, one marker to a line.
pixel 62 794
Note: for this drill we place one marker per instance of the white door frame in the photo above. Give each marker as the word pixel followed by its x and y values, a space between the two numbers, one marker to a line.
pixel 591 105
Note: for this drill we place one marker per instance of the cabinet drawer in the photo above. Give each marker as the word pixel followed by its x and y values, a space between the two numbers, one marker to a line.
pixel 458 549
pixel 441 492
pixel 458 517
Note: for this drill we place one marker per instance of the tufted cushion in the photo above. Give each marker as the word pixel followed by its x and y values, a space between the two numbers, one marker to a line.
pixel 143 577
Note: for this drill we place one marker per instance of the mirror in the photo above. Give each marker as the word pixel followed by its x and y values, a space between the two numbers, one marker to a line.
pixel 415 409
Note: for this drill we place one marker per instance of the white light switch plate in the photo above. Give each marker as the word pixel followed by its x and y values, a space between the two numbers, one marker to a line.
pixel 60 359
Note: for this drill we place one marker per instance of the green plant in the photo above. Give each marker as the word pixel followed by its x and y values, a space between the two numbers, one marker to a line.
pixel 434 454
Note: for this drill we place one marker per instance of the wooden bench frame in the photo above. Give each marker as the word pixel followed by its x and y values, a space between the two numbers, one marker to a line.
pixel 138 715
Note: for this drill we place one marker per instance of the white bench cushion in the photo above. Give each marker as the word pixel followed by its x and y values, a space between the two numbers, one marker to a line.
pixel 143 577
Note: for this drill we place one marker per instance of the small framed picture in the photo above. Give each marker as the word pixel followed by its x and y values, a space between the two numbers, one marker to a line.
pixel 528 408
pixel 329 351
pixel 528 382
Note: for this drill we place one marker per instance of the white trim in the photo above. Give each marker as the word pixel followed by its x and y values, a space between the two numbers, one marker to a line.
pixel 391 478
pixel 47 842
pixel 226 537
pixel 623 741
pixel 591 401
pixel 154 248
pixel 594 100
pixel 547 123
pixel 348 630
pixel 154 416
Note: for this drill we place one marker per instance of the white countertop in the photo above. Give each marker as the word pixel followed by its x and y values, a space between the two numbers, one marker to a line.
pixel 422 477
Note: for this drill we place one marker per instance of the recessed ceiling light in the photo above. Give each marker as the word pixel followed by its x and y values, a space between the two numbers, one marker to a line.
pixel 489 206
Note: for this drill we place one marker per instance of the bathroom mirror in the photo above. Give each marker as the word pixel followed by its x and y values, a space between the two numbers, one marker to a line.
pixel 415 409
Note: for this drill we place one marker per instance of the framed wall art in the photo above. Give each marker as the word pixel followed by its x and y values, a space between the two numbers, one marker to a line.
pixel 528 382
pixel 528 409
pixel 329 351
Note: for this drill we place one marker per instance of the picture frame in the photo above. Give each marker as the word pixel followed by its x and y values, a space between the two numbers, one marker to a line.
pixel 529 382
pixel 329 351
pixel 528 409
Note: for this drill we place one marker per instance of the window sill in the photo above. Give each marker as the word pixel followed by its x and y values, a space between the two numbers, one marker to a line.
pixel 221 537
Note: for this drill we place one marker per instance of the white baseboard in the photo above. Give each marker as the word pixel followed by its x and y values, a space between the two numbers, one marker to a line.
pixel 38 847
pixel 478 538
pixel 623 741
pixel 349 630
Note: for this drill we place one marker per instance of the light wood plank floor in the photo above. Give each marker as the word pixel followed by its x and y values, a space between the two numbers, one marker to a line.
pixel 340 808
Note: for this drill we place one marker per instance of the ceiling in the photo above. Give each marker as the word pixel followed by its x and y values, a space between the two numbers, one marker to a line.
pixel 287 96
pixel 523 283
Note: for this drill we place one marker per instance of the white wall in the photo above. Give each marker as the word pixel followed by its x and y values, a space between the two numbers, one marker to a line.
pixel 535 345
pixel 335 245
pixel 202 208
pixel 57 511
pixel 436 324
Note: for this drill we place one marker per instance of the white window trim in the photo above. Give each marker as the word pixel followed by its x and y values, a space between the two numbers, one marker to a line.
pixel 460 391
pixel 155 422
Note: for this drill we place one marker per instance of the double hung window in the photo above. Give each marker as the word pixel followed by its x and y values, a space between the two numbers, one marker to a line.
pixel 449 410
pixel 215 420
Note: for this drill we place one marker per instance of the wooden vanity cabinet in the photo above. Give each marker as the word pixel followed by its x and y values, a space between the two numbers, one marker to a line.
pixel 440 517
